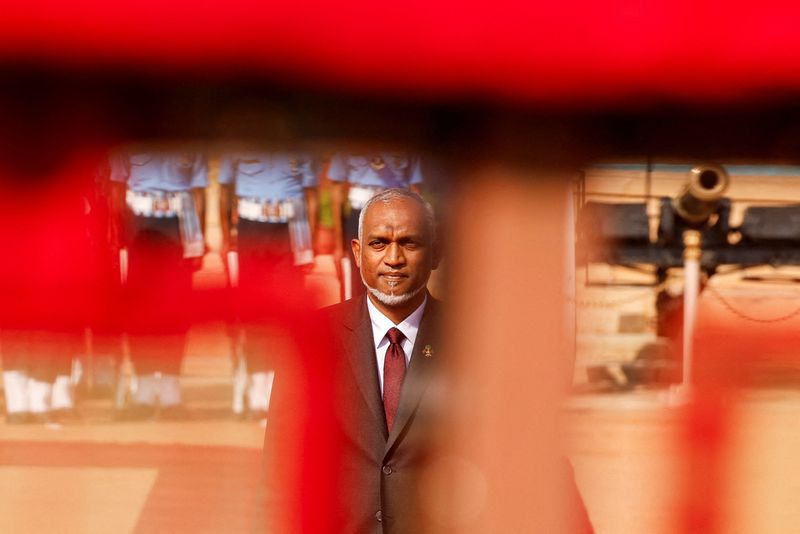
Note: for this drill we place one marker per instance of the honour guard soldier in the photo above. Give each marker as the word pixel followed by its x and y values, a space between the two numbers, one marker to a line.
pixel 45 282
pixel 357 178
pixel 268 209
pixel 164 240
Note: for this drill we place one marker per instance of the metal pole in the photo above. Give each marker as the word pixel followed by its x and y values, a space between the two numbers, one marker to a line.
pixel 570 281
pixel 691 273
pixel 651 203
pixel 239 379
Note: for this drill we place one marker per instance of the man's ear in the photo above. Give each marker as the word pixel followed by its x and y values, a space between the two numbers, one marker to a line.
pixel 437 254
pixel 355 244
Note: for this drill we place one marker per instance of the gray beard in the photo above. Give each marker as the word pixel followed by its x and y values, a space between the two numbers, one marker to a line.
pixel 392 300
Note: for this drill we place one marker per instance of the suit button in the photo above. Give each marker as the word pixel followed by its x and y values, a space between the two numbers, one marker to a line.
pixel 387 470
pixel 379 516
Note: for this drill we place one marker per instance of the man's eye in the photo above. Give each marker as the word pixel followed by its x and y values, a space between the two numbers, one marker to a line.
pixel 376 244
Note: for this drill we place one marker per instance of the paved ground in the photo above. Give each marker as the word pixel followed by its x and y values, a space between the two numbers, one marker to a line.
pixel 627 449
pixel 99 475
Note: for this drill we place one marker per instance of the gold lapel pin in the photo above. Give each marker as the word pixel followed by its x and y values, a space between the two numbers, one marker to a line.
pixel 427 351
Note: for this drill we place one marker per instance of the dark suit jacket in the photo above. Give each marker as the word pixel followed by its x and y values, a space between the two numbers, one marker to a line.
pixel 376 472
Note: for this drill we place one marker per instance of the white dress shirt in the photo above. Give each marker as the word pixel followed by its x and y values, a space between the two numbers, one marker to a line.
pixel 381 325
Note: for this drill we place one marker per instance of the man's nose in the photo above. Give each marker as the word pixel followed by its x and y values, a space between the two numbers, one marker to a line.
pixel 394 255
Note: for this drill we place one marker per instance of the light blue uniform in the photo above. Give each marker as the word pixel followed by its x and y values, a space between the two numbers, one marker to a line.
pixel 384 170
pixel 153 171
pixel 272 177
pixel 161 174
pixel 265 176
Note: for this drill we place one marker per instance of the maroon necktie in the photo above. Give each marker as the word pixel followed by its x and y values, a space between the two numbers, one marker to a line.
pixel 394 369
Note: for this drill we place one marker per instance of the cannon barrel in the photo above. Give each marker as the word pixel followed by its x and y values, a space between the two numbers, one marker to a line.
pixel 699 198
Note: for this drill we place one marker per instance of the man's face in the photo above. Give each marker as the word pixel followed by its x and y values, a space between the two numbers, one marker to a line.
pixel 396 254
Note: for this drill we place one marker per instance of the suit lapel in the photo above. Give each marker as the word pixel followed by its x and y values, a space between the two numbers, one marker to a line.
pixel 418 374
pixel 360 349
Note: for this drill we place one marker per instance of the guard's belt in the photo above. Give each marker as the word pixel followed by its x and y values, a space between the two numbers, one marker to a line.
pixel 273 211
pixel 359 195
pixel 153 203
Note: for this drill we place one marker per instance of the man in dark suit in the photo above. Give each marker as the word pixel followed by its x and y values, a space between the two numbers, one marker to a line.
pixel 381 358
pixel 357 455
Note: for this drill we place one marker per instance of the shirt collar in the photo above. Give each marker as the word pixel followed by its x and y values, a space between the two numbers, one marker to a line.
pixel 381 324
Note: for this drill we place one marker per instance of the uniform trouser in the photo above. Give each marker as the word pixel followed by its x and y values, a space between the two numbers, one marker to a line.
pixel 41 355
pixel 350 232
pixel 105 323
pixel 158 295
pixel 266 268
